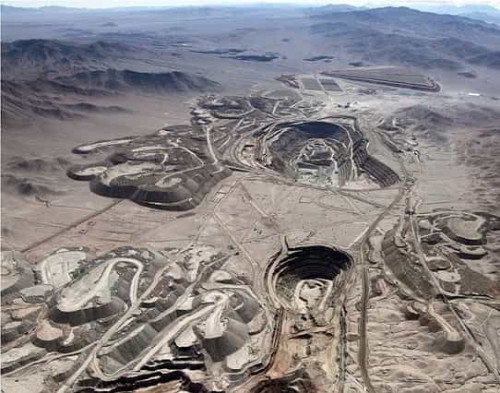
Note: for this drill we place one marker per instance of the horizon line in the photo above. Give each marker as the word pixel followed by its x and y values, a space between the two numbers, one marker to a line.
pixel 298 4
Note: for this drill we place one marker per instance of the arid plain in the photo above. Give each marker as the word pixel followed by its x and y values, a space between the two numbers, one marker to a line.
pixel 276 200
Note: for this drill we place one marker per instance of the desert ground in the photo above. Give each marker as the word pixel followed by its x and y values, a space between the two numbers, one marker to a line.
pixel 259 199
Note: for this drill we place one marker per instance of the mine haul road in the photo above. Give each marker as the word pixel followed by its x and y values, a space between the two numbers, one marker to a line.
pixel 405 188
pixel 423 261
pixel 69 227
pixel 72 379
pixel 365 294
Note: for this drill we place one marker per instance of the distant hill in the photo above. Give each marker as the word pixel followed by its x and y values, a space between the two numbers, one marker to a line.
pixel 484 17
pixel 26 59
pixel 126 80
pixel 458 10
pixel 335 8
pixel 23 101
pixel 406 21
pixel 482 12
pixel 8 9
pixel 491 60
pixel 39 75
pixel 405 36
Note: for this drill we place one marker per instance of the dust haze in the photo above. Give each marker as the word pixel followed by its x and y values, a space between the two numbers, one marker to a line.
pixel 250 199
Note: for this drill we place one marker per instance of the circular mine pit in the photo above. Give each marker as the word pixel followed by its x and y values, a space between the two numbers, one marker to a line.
pixel 307 145
pixel 307 277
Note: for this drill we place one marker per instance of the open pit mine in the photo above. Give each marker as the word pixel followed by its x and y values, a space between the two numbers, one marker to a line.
pixel 277 243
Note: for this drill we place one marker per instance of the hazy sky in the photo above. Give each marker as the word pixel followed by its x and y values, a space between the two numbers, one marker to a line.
pixel 124 3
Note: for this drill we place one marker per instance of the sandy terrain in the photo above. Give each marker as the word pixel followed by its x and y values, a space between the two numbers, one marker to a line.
pixel 324 232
